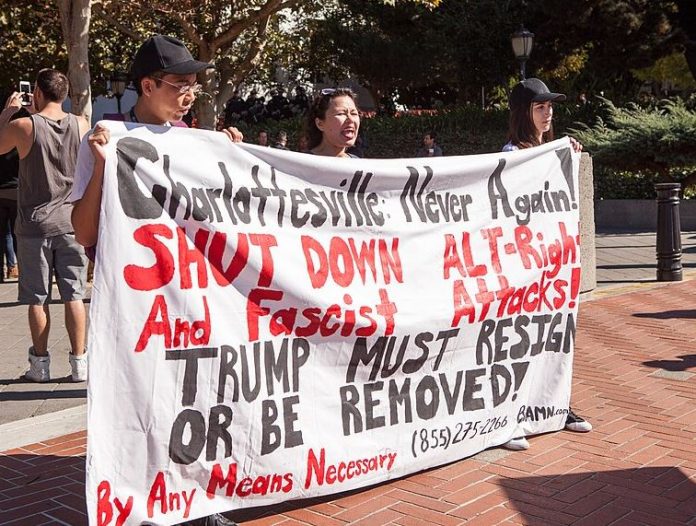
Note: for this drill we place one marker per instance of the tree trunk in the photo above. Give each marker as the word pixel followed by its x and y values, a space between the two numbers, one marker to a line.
pixel 206 103
pixel 686 15
pixel 690 54
pixel 75 19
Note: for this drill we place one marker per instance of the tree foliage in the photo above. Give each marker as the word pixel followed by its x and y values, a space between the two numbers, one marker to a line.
pixel 686 19
pixel 463 45
pixel 634 138
pixel 233 35
pixel 30 39
pixel 445 53
pixel 672 69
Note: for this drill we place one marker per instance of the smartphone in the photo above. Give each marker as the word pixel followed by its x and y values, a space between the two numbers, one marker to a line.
pixel 25 92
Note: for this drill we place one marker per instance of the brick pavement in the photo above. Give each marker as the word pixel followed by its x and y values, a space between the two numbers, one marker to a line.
pixel 635 379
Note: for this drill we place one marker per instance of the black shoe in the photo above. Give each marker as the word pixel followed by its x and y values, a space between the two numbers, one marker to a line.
pixel 219 520
pixel 211 520
pixel 577 423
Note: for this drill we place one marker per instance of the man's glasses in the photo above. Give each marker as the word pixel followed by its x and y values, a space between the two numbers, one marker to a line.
pixel 183 89
pixel 328 91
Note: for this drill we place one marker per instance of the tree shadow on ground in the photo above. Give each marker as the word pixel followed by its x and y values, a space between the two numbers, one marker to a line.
pixel 42 489
pixel 22 396
pixel 641 495
pixel 8 304
pixel 41 391
pixel 682 363
pixel 635 496
pixel 647 495
pixel 668 314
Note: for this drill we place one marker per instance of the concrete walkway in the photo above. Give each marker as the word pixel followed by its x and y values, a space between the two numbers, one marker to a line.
pixel 635 379
pixel 627 259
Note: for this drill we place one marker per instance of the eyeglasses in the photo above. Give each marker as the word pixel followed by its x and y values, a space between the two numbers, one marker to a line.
pixel 328 91
pixel 183 89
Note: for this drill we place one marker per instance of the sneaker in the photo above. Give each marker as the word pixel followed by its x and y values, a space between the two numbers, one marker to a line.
pixel 577 423
pixel 38 367
pixel 516 444
pixel 12 272
pixel 78 364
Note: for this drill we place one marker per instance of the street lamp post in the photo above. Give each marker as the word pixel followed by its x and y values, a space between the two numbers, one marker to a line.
pixel 522 42
pixel 118 87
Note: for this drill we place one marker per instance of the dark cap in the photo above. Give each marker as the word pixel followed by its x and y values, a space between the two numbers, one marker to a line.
pixel 166 54
pixel 532 90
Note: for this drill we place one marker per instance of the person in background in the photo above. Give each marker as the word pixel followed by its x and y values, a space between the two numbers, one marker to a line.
pixel 220 122
pixel 281 141
pixel 303 144
pixel 332 123
pixel 47 142
pixel 262 138
pixel 531 124
pixel 164 73
pixel 359 149
pixel 9 168
pixel 429 148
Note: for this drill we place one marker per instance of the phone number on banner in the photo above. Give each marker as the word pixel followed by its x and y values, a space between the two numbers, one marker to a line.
pixel 424 439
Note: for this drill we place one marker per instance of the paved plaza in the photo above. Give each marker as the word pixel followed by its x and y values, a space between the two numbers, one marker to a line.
pixel 634 379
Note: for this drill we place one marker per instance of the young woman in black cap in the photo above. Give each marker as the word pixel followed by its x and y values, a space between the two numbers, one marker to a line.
pixel 531 124
pixel 531 116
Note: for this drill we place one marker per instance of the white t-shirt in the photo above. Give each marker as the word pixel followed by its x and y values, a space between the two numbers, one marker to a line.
pixel 84 168
pixel 509 147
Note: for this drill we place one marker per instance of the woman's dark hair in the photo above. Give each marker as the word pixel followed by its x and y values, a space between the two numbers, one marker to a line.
pixel 521 131
pixel 318 111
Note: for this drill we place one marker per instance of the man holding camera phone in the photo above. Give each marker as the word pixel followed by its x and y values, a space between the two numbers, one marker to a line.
pixel 47 142
pixel 25 92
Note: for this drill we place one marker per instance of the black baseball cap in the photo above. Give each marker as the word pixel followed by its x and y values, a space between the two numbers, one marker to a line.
pixel 166 54
pixel 532 90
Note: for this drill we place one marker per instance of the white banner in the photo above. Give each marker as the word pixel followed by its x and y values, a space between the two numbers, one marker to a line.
pixel 268 325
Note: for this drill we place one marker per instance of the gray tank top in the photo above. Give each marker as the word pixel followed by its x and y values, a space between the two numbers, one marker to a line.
pixel 46 176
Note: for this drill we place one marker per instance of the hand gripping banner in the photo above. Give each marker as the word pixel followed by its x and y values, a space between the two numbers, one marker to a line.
pixel 269 325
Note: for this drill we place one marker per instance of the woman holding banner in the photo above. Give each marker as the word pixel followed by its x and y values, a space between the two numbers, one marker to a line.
pixel 332 123
pixel 531 124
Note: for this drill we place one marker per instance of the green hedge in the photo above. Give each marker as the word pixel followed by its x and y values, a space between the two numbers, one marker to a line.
pixel 615 184
pixel 471 130
pixel 465 130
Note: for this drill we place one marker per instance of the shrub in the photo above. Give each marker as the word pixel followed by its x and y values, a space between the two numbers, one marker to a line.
pixel 660 140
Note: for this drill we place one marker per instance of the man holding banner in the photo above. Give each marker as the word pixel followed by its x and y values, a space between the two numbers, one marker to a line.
pixel 164 74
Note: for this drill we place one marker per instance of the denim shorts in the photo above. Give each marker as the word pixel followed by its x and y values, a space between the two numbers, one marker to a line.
pixel 42 258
